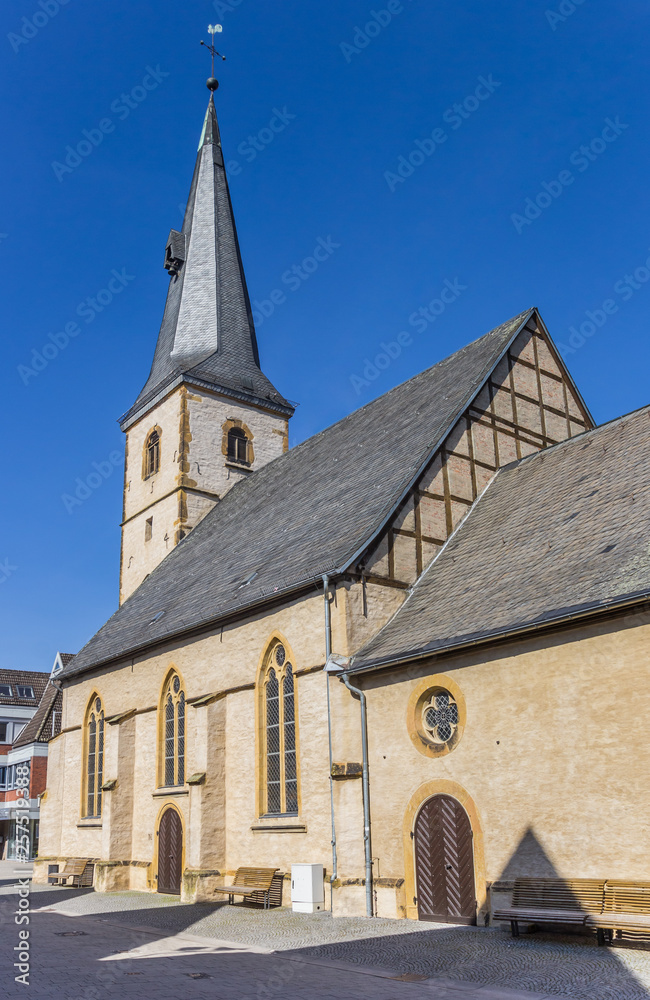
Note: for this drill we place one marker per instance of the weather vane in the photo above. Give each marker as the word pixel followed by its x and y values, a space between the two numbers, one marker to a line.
pixel 213 83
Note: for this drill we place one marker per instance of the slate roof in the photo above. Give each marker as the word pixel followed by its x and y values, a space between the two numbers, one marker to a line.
pixel 45 724
pixel 207 333
pixel 561 532
pixel 308 512
pixel 37 679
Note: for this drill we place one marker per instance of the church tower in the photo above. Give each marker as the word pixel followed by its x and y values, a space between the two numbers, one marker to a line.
pixel 207 416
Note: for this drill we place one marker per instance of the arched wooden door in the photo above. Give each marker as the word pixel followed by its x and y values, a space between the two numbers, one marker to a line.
pixel 444 862
pixel 170 852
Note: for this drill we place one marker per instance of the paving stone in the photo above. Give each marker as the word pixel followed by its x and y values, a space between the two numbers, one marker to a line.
pixel 145 945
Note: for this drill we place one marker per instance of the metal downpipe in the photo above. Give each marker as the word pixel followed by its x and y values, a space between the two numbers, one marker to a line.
pixel 366 793
pixel 328 651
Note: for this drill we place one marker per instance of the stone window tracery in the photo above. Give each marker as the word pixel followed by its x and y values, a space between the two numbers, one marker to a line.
pixel 94 758
pixel 440 717
pixel 279 754
pixel 172 741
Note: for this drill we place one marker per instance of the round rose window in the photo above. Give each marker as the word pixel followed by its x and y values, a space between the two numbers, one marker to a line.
pixel 440 717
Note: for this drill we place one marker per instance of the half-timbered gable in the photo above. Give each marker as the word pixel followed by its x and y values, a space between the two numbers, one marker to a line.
pixel 526 403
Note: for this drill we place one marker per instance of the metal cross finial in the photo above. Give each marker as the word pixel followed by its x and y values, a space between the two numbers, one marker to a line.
pixel 213 29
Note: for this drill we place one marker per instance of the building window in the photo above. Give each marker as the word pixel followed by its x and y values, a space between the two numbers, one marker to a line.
pixel 94 775
pixel 148 529
pixel 440 717
pixel 5 691
pixel 152 453
pixel 436 715
pixel 237 446
pixel 25 691
pixel 279 765
pixel 173 733
pixel 4 726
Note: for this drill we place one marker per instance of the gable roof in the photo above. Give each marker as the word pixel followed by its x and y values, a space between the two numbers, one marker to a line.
pixel 560 533
pixel 309 512
pixel 36 679
pixel 207 336
pixel 45 724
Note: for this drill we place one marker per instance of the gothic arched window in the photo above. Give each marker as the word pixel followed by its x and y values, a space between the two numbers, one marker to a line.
pixel 172 742
pixel 279 751
pixel 237 446
pixel 94 757
pixel 152 453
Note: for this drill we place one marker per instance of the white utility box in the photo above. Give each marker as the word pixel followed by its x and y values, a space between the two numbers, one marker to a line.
pixel 307 888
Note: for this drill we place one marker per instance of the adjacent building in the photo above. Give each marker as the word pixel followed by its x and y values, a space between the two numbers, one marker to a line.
pixel 30 716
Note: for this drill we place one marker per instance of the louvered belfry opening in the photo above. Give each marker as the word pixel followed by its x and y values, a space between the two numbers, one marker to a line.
pixel 444 862
pixel 170 852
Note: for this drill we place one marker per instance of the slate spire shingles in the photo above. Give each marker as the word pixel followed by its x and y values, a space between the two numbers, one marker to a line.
pixel 207 334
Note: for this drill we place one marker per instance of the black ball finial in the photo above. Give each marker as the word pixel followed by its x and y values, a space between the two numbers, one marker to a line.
pixel 212 83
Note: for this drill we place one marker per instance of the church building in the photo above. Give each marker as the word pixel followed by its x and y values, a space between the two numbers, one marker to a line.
pixel 413 648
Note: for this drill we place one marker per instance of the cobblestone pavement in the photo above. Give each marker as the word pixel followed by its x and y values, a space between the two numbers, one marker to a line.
pixel 87 946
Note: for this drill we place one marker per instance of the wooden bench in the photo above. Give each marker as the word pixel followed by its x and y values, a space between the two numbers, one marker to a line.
pixel 254 884
pixel 80 870
pixel 626 907
pixel 553 901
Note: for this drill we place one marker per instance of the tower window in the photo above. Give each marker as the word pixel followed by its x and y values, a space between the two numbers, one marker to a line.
pixel 237 446
pixel 152 454
pixel 148 529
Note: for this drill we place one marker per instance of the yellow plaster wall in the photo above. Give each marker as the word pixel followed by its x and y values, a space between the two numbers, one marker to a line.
pixel 554 756
pixel 221 740
pixel 207 468
pixel 140 557
pixel 139 492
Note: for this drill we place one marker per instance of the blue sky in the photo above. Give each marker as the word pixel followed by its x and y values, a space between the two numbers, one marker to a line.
pixel 373 156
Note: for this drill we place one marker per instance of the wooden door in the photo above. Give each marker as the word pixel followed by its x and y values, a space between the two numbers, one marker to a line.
pixel 444 862
pixel 170 852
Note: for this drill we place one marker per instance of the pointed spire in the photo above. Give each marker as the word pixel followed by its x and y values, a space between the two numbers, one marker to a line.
pixel 207 333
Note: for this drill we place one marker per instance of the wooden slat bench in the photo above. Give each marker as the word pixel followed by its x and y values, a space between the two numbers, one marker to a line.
pixel 254 884
pixel 626 907
pixel 79 870
pixel 553 901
